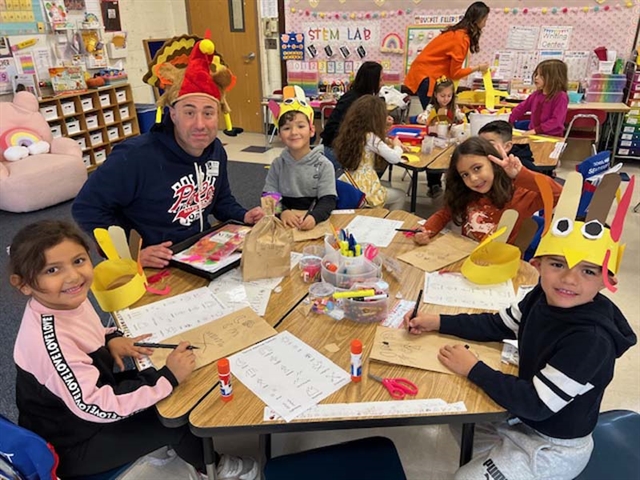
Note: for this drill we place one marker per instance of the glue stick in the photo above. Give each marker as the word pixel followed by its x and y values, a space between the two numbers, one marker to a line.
pixel 224 374
pixel 356 360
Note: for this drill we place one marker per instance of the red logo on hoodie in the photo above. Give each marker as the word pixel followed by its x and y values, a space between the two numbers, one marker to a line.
pixel 191 201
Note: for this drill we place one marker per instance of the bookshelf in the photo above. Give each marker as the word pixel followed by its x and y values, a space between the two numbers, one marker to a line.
pixel 96 119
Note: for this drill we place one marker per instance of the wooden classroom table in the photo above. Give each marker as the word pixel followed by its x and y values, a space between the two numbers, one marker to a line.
pixel 245 413
pixel 422 165
pixel 541 154
pixel 174 410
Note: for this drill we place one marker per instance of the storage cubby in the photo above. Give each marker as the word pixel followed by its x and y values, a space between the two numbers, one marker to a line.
pixel 96 119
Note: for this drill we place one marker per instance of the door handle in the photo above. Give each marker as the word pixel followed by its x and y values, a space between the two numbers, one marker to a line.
pixel 250 56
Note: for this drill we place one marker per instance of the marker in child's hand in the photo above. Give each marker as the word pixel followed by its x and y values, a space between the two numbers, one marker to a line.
pixel 415 310
pixel 162 345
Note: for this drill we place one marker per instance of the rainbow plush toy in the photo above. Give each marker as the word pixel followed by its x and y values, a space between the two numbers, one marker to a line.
pixel 587 239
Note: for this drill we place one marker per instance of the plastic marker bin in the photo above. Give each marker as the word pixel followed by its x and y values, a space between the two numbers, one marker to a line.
pixel 344 272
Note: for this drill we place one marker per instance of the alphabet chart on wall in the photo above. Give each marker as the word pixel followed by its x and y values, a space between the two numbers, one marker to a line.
pixel 287 374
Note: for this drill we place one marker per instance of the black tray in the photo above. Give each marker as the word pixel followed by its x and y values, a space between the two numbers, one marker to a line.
pixel 179 247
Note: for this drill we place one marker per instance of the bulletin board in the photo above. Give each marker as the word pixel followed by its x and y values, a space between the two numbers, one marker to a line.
pixel 591 23
pixel 21 17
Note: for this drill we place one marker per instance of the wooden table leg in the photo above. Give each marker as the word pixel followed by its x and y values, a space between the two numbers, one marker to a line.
pixel 210 458
pixel 414 191
pixel 466 442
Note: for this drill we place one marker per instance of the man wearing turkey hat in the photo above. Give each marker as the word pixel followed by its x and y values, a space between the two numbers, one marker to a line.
pixel 165 183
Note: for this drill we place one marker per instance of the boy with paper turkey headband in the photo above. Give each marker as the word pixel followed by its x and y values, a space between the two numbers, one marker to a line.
pixel 569 336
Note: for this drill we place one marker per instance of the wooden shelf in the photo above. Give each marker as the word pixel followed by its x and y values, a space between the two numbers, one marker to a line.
pixel 104 148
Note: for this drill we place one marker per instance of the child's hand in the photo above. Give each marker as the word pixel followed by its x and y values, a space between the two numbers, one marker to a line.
pixel 483 67
pixel 423 237
pixel 509 163
pixel 530 132
pixel 421 323
pixel 121 347
pixel 181 362
pixel 397 143
pixel 290 219
pixel 457 358
pixel 308 223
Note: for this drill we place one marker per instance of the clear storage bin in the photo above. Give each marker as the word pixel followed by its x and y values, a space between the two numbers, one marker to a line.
pixel 344 272
pixel 605 82
pixel 603 97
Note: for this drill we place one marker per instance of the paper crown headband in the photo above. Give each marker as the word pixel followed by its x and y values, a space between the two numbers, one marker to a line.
pixel 494 260
pixel 293 100
pixel 589 240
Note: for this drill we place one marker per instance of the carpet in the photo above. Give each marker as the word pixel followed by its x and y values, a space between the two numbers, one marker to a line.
pixel 246 181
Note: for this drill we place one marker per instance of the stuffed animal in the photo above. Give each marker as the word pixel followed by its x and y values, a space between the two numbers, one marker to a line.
pixel 18 143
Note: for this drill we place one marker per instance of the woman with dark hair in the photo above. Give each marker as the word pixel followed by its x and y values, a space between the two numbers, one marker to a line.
pixel 444 56
pixel 367 82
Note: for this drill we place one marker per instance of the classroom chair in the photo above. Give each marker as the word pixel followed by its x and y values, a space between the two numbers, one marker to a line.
pixel 373 458
pixel 588 121
pixel 615 453
pixel 326 109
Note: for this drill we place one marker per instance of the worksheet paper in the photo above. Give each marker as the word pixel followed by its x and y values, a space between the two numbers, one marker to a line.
pixel 395 317
pixel 237 294
pixel 453 290
pixel 391 408
pixel 174 315
pixel 376 231
pixel 287 374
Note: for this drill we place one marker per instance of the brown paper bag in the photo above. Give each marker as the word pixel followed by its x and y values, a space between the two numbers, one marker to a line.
pixel 267 248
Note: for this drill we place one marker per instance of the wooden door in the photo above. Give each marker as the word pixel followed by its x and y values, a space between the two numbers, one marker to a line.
pixel 240 50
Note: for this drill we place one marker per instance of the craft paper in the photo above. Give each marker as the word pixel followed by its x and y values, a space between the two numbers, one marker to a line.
pixel 442 251
pixel 319 231
pixel 287 374
pixel 219 338
pixel 399 347
pixel 453 290
pixel 376 231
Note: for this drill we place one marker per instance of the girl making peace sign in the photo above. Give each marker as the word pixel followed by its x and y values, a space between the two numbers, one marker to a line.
pixel 482 182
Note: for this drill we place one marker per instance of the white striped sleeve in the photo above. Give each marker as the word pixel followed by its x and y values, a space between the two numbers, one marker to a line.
pixel 511 318
pixel 556 389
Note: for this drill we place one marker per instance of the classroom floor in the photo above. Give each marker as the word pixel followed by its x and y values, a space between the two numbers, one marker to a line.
pixel 434 448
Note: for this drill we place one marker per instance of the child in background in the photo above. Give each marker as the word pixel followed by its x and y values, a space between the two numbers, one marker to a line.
pixel 569 337
pixel 444 97
pixel 305 178
pixel 500 133
pixel 66 390
pixel 359 141
pixel 482 182
pixel 548 104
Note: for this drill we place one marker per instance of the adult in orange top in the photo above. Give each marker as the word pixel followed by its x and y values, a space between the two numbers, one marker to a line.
pixel 445 54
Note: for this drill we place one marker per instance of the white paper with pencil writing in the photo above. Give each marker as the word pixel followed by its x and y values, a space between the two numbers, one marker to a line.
pixel 287 374
pixel 398 347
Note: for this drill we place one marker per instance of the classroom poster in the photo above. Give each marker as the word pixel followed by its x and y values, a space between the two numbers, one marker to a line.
pixel 577 64
pixel 522 37
pixel 292 46
pixel 554 38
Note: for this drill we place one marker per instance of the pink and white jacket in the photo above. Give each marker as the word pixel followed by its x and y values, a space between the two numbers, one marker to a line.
pixel 65 385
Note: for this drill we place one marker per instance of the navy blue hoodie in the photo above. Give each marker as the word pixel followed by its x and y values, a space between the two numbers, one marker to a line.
pixel 151 184
pixel 567 359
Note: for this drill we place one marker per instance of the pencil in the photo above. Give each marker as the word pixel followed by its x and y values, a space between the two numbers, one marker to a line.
pixel 410 230
pixel 313 205
pixel 162 345
pixel 415 309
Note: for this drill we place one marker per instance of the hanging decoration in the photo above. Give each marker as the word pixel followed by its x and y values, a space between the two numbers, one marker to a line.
pixel 392 43
pixel 383 14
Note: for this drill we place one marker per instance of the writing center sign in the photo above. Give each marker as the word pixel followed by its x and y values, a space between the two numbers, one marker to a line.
pixel 346 32
pixel 554 38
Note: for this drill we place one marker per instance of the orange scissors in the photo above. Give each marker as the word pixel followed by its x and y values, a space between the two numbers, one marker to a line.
pixel 398 387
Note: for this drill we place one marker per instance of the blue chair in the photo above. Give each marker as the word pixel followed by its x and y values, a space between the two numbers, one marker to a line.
pixel 374 458
pixel 616 454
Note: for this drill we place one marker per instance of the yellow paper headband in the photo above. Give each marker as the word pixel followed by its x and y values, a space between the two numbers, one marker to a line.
pixel 589 240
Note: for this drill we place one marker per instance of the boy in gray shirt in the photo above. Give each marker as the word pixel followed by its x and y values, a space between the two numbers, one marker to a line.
pixel 304 177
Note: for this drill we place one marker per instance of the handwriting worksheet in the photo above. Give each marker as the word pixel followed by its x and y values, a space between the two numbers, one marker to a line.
pixel 377 231
pixel 287 374
pixel 453 290
pixel 174 315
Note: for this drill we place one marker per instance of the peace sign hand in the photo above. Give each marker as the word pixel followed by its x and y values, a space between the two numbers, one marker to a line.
pixel 509 163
